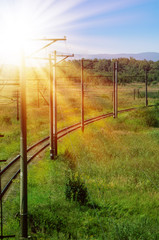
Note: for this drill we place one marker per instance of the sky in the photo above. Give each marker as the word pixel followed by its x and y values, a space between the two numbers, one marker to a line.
pixel 91 26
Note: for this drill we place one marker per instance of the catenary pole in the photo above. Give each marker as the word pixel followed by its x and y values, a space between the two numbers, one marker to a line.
pixel 23 150
pixel 51 106
pixel 134 93
pixel 54 109
pixel 146 95
pixel 116 89
pixel 82 96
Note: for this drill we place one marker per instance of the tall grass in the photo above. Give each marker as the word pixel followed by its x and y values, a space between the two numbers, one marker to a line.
pixel 104 184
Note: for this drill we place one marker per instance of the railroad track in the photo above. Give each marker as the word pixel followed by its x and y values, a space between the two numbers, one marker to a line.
pixel 10 171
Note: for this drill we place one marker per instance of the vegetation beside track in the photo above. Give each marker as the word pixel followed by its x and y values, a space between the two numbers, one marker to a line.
pixel 98 100
pixel 10 127
pixel 103 185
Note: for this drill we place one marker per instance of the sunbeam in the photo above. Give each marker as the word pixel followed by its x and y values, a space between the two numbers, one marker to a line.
pixel 85 19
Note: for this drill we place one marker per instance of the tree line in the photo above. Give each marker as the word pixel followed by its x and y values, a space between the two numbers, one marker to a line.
pixel 129 70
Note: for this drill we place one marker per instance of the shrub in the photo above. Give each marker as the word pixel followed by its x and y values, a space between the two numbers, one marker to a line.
pixel 148 117
pixel 76 189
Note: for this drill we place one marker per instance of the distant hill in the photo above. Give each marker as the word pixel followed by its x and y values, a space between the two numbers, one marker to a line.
pixel 154 56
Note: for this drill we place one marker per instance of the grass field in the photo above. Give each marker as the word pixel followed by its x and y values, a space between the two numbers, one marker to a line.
pixel 104 183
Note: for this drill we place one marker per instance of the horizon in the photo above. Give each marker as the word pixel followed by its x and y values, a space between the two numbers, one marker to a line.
pixel 78 56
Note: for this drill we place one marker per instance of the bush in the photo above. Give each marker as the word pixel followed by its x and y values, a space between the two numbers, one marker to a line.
pixel 148 117
pixel 154 82
pixel 76 189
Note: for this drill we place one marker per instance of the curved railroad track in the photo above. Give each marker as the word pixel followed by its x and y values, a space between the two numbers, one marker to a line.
pixel 10 171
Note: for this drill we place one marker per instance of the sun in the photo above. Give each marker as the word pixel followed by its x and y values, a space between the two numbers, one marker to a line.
pixel 23 20
pixel 13 37
pixel 15 31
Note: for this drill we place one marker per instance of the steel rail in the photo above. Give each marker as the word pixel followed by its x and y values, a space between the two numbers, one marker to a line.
pixel 15 175
pixel 61 133
pixel 98 118
pixel 74 126
pixel 18 156
pixel 66 128
pixel 94 118
pixel 65 133
pixel 126 110
pixel 32 157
